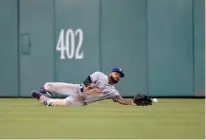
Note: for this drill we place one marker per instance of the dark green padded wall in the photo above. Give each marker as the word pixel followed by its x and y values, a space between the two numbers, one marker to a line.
pixel 80 22
pixel 158 43
pixel 170 47
pixel 123 42
pixel 8 48
pixel 36 44
pixel 199 47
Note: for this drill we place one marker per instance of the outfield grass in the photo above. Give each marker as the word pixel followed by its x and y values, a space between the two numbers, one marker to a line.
pixel 169 118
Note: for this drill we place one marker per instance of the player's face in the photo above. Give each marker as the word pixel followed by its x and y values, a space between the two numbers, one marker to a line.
pixel 116 76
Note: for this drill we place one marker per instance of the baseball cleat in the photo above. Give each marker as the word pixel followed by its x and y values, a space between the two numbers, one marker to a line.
pixel 36 95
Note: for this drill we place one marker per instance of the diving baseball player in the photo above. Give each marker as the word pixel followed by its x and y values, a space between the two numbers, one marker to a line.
pixel 95 87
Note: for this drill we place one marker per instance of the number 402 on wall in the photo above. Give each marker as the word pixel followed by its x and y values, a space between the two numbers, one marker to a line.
pixel 67 46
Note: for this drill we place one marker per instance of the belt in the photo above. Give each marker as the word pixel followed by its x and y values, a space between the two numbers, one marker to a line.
pixel 83 97
pixel 81 88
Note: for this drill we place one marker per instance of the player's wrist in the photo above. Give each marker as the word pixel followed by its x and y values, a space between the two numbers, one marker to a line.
pixel 132 102
pixel 114 99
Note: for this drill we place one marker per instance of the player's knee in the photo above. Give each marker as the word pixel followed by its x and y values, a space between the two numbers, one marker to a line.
pixel 48 86
pixel 67 103
pixel 57 102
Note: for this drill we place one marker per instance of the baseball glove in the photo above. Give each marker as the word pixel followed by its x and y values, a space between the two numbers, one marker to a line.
pixel 142 100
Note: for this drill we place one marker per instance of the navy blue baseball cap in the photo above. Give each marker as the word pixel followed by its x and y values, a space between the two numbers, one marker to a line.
pixel 119 70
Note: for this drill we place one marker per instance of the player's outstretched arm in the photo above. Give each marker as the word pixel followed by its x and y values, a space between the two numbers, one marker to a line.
pixel 124 101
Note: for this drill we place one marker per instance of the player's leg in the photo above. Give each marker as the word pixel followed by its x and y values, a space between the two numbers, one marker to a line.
pixel 69 101
pixel 41 98
pixel 61 88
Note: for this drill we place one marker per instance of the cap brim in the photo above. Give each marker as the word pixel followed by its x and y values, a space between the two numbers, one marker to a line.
pixel 121 74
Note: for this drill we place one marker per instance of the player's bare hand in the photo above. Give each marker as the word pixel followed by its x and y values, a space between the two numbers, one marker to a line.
pixel 80 98
pixel 93 90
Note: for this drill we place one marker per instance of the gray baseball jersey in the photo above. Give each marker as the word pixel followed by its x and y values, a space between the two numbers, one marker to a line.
pixel 100 80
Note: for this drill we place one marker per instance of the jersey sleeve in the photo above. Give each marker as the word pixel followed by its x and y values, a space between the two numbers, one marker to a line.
pixel 117 95
pixel 94 76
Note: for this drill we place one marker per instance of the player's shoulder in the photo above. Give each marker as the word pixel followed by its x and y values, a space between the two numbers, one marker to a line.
pixel 99 73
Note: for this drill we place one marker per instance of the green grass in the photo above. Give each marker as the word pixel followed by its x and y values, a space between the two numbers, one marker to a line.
pixel 169 119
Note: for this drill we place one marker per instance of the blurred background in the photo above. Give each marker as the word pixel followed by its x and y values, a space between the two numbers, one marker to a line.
pixel 159 44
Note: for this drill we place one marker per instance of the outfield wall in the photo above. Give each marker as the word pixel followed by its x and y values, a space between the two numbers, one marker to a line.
pixel 158 43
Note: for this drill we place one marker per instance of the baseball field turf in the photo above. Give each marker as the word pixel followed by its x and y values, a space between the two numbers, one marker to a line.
pixel 169 119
